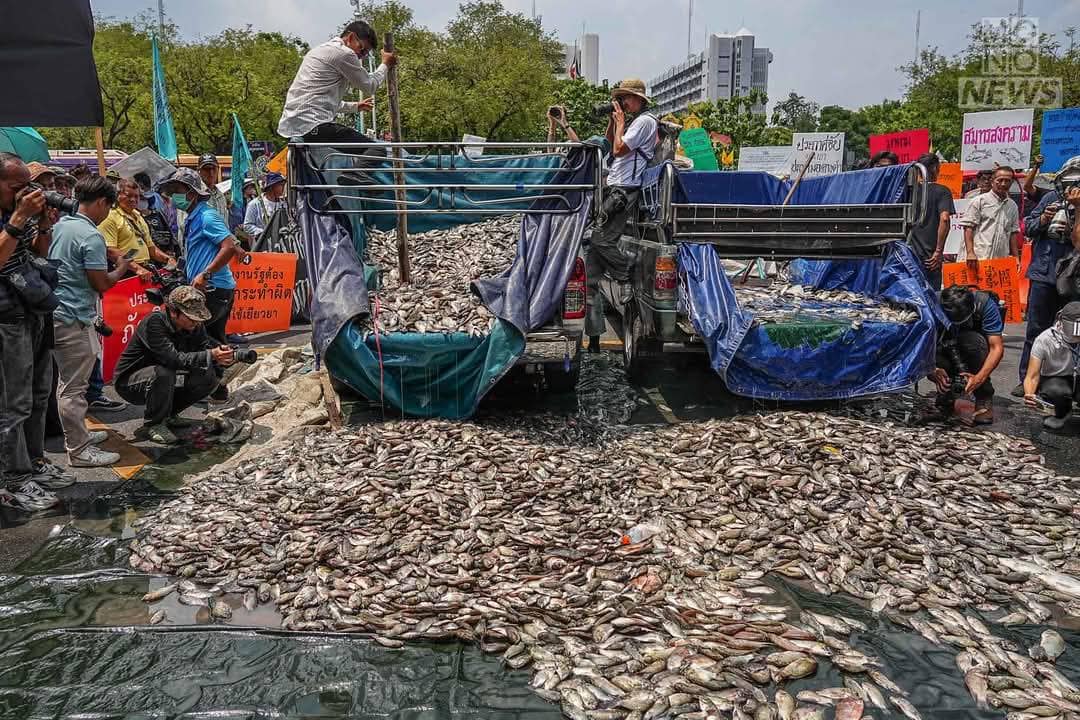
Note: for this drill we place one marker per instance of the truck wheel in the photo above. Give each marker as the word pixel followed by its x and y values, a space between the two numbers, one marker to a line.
pixel 558 380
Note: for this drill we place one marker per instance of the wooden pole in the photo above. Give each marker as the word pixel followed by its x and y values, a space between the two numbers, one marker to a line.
pixel 399 178
pixel 798 180
pixel 99 140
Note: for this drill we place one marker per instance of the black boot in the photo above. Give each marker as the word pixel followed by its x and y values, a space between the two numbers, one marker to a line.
pixel 594 344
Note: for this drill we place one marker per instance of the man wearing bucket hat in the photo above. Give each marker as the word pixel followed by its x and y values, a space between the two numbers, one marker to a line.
pixel 1053 368
pixel 632 148
pixel 208 247
pixel 261 209
pixel 171 363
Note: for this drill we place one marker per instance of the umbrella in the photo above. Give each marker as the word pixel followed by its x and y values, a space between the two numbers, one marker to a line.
pixel 146 160
pixel 24 142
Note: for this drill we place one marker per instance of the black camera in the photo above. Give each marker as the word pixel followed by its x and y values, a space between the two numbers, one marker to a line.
pixel 57 201
pixel 101 327
pixel 556 113
pixel 602 110
pixel 957 383
pixel 244 355
pixel 166 281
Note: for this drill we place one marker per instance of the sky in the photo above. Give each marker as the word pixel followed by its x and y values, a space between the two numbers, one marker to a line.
pixel 834 52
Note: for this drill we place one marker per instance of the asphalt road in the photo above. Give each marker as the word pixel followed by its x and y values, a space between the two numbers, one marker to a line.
pixel 678 388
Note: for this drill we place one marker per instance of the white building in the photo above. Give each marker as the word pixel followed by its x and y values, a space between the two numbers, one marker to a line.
pixel 729 67
pixel 587 51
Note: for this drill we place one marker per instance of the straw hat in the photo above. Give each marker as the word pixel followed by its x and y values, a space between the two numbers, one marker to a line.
pixel 631 86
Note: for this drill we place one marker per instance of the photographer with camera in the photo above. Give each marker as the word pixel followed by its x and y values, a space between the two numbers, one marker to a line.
pixel 78 249
pixel 632 147
pixel 969 351
pixel 1052 229
pixel 1052 371
pixel 556 115
pixel 171 363
pixel 27 299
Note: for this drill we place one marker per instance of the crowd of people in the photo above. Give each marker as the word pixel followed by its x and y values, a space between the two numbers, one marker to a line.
pixel 66 239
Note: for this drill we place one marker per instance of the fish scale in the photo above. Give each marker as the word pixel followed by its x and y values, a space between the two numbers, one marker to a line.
pixel 508 533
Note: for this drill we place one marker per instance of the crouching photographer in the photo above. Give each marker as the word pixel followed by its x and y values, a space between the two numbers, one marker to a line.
pixel 632 149
pixel 1050 384
pixel 969 351
pixel 171 363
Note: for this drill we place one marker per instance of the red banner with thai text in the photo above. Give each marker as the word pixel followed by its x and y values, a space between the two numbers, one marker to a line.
pixel 123 307
pixel 908 145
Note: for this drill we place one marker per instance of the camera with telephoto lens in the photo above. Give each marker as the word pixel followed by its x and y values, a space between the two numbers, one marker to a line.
pixel 166 282
pixel 55 200
pixel 556 113
pixel 1061 225
pixel 957 383
pixel 244 355
pixel 602 110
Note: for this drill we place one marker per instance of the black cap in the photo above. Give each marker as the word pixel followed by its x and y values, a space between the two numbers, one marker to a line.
pixel 208 159
pixel 1069 318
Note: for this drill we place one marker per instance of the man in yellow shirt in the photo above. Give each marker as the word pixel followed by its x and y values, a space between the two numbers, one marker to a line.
pixel 125 230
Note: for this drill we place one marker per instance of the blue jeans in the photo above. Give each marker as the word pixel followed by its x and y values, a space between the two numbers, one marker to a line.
pixel 96 390
pixel 1042 308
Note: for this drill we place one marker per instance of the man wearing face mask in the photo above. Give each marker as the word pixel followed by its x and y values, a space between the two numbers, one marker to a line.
pixel 970 349
pixel 1054 364
pixel 325 75
pixel 209 247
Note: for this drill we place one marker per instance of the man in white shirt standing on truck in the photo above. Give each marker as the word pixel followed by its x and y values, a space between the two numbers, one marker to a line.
pixel 327 72
pixel 632 148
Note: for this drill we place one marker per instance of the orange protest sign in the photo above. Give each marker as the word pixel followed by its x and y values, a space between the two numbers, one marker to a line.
pixel 279 163
pixel 264 290
pixel 951 177
pixel 1000 275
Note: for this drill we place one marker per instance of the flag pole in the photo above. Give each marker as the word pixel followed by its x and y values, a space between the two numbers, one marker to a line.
pixel 99 141
pixel 404 276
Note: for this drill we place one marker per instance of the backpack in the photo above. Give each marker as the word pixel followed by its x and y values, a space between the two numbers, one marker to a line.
pixel 1067 277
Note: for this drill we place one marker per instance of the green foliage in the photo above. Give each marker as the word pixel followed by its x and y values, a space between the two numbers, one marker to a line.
pixel 735 117
pixel 579 97
pixel 796 113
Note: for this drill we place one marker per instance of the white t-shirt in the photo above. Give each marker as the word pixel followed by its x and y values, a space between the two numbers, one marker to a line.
pixel 640 137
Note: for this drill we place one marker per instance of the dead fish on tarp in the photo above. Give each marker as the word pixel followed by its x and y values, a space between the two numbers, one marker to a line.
pixel 627 566
pixel 785 303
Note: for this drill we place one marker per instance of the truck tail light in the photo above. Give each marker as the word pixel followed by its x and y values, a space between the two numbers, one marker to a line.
pixel 665 277
pixel 574 295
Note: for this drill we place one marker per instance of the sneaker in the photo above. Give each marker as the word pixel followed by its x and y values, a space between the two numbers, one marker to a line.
pixel 104 404
pixel 50 476
pixel 1055 423
pixel 178 423
pixel 159 434
pixel 234 339
pixel 91 456
pixel 1018 391
pixel 32 496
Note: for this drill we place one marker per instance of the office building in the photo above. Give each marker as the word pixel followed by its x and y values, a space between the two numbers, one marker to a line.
pixel 730 66
pixel 587 52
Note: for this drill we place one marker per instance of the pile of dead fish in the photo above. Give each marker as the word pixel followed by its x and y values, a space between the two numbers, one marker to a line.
pixel 634 571
pixel 784 303
pixel 442 264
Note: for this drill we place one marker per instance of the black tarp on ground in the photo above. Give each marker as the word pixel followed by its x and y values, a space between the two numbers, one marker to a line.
pixel 47 72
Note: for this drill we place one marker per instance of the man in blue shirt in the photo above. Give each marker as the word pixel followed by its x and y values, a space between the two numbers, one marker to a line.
pixel 971 348
pixel 208 248
pixel 78 250
pixel 1043 299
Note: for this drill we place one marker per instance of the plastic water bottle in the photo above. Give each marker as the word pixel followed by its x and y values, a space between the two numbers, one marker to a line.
pixel 642 532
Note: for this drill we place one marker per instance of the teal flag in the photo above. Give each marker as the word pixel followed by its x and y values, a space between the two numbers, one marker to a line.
pixel 164 135
pixel 241 162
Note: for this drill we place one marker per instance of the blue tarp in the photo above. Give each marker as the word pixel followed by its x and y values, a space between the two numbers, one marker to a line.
pixel 436 374
pixel 839 362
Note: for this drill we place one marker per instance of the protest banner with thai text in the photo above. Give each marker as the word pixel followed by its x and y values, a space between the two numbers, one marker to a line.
pixel 698 147
pixel 955 240
pixel 827 150
pixel 908 144
pixel 1000 275
pixel 951 176
pixel 776 160
pixel 264 293
pixel 1000 137
pixel 123 307
pixel 1060 137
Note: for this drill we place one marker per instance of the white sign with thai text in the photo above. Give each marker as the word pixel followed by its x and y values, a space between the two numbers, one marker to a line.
pixel 771 159
pixel 1001 137
pixel 955 239
pixel 826 150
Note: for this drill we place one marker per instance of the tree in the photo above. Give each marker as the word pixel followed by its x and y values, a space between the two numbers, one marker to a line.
pixel 735 117
pixel 855 126
pixel 579 97
pixel 796 113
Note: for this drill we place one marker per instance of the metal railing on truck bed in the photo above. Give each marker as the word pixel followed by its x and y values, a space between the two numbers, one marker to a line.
pixel 794 231
pixel 450 160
